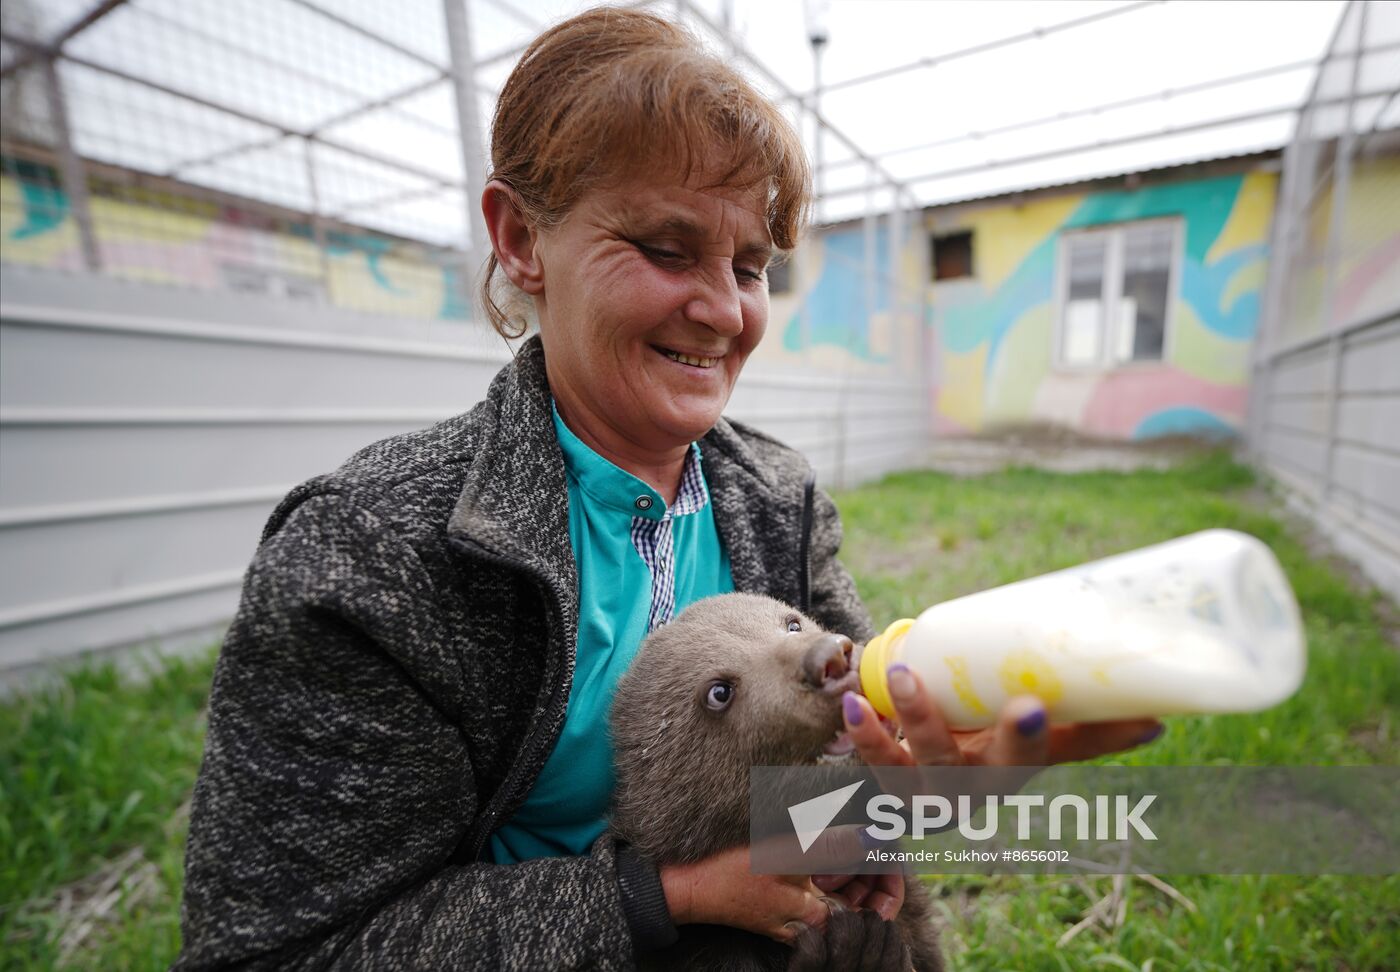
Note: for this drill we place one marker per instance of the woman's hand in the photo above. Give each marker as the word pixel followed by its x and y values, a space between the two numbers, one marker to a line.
pixel 880 893
pixel 722 890
pixel 1020 736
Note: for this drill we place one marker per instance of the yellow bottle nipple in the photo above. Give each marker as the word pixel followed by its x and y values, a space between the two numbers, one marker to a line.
pixel 875 660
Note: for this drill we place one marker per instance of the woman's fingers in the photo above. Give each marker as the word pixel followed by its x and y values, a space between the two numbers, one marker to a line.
pixel 1085 740
pixel 925 729
pixel 854 894
pixel 886 895
pixel 927 740
pixel 829 883
pixel 723 890
pixel 1021 736
pixel 875 746
pixel 809 908
pixel 882 893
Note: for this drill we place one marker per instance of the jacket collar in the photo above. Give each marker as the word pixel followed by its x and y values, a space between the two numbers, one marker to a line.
pixel 514 500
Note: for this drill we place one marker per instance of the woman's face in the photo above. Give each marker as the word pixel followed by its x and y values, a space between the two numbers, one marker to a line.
pixel 653 297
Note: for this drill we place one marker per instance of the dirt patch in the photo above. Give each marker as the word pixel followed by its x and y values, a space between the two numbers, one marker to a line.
pixel 1058 450
pixel 921 551
pixel 1377 739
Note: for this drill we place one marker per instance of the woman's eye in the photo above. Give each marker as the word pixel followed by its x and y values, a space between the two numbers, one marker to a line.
pixel 750 275
pixel 719 695
pixel 794 626
pixel 660 253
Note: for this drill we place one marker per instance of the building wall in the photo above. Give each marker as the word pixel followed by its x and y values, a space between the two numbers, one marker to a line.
pixel 154 236
pixel 993 335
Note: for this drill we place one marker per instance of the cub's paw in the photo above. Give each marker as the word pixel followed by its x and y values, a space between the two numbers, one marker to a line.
pixel 853 941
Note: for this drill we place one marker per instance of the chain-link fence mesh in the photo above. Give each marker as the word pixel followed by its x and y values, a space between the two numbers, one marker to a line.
pixel 303 150
pixel 1339 207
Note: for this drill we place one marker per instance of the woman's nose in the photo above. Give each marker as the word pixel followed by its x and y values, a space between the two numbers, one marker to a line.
pixel 716 304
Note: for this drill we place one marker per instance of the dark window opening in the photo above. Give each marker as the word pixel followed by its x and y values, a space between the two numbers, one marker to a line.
pixel 952 256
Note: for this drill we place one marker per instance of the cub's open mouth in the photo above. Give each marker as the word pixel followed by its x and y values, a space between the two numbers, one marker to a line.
pixel 840 745
pixel 841 748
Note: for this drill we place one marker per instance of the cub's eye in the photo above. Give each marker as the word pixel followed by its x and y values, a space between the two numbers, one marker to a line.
pixel 794 626
pixel 718 696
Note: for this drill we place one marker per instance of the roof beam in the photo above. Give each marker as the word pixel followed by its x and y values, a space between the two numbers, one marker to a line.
pixel 32 50
pixel 371 35
pixel 741 50
pixel 313 136
pixel 1106 143
pixel 512 53
pixel 1163 95
pixel 937 59
pixel 348 115
pixel 514 12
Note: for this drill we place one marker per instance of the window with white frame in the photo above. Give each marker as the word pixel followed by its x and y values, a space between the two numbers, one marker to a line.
pixel 1115 292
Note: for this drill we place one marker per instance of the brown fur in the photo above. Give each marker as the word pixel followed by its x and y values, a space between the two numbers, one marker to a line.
pixel 683 769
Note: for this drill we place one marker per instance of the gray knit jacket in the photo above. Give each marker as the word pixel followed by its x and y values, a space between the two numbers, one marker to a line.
pixel 395 678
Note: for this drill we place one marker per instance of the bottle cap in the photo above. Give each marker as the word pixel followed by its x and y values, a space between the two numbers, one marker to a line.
pixel 875 660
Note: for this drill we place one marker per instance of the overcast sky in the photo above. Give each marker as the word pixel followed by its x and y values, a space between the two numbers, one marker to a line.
pixel 283 61
pixel 1140 52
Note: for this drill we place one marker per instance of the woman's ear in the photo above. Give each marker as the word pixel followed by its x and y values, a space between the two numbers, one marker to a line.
pixel 512 237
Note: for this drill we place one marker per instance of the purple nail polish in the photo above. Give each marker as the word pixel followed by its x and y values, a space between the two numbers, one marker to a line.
pixel 901 682
pixel 1150 734
pixel 1031 723
pixel 870 842
pixel 854 714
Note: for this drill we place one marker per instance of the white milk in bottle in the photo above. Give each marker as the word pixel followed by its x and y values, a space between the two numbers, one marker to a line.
pixel 1203 623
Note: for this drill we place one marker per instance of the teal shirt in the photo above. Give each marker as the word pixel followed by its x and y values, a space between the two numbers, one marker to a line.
pixel 617 527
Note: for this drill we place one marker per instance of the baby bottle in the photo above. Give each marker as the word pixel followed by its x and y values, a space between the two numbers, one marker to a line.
pixel 1203 623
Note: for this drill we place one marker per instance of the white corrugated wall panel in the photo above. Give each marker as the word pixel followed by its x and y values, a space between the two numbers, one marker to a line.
pixel 1336 450
pixel 147 433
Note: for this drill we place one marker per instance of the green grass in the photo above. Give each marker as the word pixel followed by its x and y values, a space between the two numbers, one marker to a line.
pixel 89 771
pixel 97 773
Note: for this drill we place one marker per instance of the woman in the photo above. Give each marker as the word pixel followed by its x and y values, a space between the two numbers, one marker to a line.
pixel 406 760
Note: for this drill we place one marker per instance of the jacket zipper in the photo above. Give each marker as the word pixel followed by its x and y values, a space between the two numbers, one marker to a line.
pixel 805 553
pixel 506 794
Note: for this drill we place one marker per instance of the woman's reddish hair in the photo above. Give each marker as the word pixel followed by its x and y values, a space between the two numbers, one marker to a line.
pixel 615 94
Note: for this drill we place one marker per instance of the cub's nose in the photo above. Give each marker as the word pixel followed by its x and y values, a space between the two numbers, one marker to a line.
pixel 827 660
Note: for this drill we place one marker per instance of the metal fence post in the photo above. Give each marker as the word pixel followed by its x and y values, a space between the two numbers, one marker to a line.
pixel 70 167
pixel 318 224
pixel 463 77
pixel 1346 149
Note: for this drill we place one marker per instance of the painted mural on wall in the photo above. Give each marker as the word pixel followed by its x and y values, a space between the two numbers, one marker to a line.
pixel 856 304
pixel 1367 268
pixel 995 363
pixel 1368 261
pixel 160 237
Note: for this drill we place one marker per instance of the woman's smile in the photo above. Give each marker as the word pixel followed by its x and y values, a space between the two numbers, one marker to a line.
pixel 702 362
